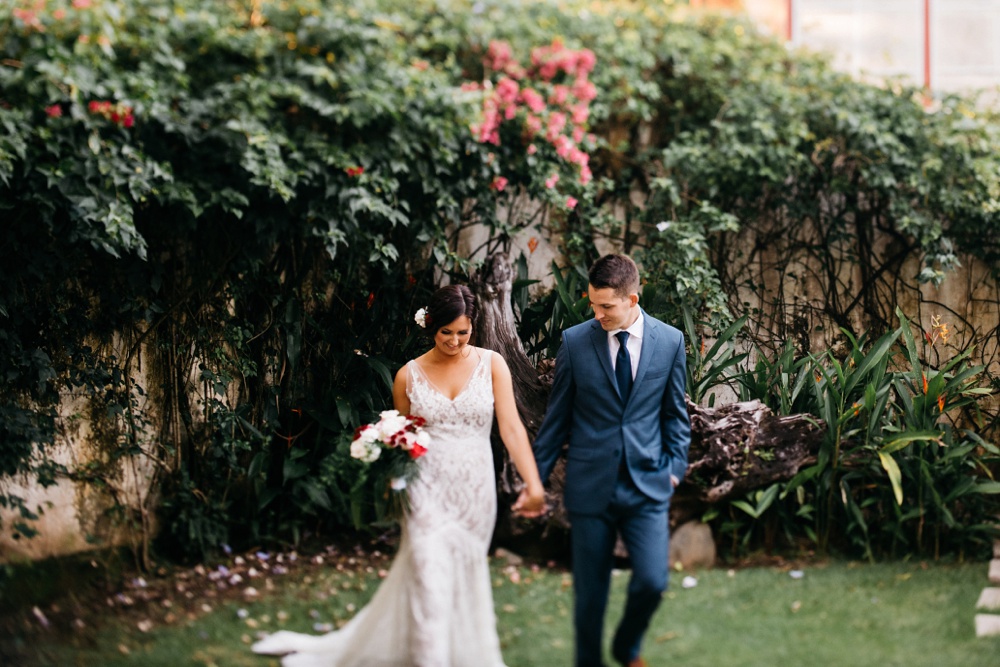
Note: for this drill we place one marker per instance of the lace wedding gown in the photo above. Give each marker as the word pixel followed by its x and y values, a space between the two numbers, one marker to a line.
pixel 435 607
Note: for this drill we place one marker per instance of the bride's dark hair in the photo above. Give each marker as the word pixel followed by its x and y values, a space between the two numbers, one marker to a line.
pixel 447 304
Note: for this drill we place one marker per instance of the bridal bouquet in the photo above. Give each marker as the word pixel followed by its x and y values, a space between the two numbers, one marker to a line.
pixel 390 447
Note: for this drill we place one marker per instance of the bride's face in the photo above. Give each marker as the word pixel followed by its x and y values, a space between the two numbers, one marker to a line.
pixel 452 337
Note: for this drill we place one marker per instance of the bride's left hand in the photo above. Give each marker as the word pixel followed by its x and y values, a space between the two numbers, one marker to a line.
pixel 530 504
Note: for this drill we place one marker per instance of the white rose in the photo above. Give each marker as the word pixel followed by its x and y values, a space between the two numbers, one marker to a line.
pixel 374 451
pixel 369 435
pixel 358 449
pixel 390 424
pixel 423 439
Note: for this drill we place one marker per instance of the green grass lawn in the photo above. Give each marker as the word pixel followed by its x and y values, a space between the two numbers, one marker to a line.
pixel 836 613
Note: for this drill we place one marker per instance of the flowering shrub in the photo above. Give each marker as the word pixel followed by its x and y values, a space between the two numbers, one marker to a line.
pixel 535 116
pixel 119 114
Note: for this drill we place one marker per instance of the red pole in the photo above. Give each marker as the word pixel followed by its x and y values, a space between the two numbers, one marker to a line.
pixel 927 44
pixel 789 27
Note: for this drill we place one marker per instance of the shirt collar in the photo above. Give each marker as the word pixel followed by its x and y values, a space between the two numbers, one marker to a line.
pixel 634 331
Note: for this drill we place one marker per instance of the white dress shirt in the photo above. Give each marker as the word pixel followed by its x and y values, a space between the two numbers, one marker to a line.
pixel 634 344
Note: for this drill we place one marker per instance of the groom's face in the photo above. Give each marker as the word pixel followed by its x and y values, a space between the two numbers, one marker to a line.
pixel 612 310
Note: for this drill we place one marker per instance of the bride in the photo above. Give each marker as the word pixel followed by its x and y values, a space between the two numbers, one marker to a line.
pixel 435 607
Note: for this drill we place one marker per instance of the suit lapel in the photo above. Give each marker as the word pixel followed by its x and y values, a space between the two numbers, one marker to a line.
pixel 599 337
pixel 650 332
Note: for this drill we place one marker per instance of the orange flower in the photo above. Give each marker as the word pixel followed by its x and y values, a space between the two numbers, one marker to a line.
pixel 371 299
pixel 532 244
pixel 354 172
pixel 925 382
pixel 939 329
pixel 941 402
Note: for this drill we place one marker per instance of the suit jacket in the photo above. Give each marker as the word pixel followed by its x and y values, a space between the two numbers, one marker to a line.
pixel 650 433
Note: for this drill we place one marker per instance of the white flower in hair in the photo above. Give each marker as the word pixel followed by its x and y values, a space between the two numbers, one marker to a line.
pixel 420 317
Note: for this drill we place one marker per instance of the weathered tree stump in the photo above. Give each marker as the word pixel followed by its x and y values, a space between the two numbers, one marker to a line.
pixel 735 448
pixel 738 448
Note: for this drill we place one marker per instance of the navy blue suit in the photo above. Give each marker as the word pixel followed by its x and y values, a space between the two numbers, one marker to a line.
pixel 620 460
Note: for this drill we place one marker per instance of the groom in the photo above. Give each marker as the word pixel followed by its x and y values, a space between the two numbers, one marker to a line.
pixel 618 400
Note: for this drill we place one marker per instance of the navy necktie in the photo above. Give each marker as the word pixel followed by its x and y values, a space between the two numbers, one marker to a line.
pixel 623 366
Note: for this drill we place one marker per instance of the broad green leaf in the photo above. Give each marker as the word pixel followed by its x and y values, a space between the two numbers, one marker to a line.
pixel 895 476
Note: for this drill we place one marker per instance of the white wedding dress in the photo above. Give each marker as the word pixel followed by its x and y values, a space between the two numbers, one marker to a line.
pixel 435 607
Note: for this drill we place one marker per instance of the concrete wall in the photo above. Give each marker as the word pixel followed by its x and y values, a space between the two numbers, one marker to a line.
pixel 77 516
pixel 952 45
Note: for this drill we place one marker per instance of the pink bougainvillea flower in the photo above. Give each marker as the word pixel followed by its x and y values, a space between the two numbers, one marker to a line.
pixel 499 183
pixel 54 111
pixel 507 90
pixel 548 70
pixel 585 61
pixel 557 121
pixel 563 145
pixel 28 16
pixel 532 149
pixel 576 156
pixel 584 90
pixel 585 175
pixel 551 181
pixel 82 4
pixel 533 123
pixel 533 100
pixel 571 202
pixel 498 55
pixel 59 14
pixel 559 95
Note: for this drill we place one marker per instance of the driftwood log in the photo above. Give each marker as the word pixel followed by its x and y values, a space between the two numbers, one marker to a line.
pixel 735 449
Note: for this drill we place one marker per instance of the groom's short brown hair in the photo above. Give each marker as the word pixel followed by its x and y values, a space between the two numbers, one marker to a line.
pixel 618 272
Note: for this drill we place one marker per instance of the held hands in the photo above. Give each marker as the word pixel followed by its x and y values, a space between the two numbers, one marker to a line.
pixel 530 503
